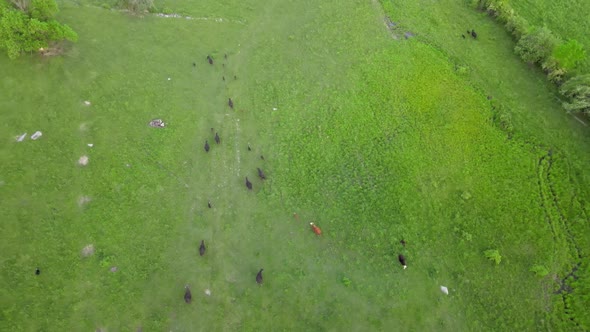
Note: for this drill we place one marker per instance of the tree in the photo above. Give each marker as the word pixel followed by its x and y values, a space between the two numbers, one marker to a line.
pixel 32 29
pixel 536 46
pixel 577 90
pixel 570 54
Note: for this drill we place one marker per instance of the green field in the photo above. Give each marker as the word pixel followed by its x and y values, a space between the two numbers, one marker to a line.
pixel 453 145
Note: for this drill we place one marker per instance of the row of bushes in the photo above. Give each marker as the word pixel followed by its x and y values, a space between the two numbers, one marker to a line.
pixel 538 45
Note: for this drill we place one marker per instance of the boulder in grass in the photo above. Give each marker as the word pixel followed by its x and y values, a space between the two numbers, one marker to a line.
pixel 157 123
pixel 83 161
pixel 88 250
pixel 21 138
pixel 36 135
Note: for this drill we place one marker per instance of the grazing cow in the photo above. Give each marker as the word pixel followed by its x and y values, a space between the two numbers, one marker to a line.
pixel 248 184
pixel 188 297
pixel 473 34
pixel 261 174
pixel 403 242
pixel 468 32
pixel 402 260
pixel 315 229
pixel 37 271
pixel 206 146
pixel 210 59
pixel 194 64
pixel 249 148
pixel 230 103
pixel 259 277
pixel 217 139
pixel 463 36
pixel 225 55
pixel 209 204
pixel 202 248
pixel 262 157
pixel 223 77
pixel 235 77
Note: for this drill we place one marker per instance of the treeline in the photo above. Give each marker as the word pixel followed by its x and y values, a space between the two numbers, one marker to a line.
pixel 538 45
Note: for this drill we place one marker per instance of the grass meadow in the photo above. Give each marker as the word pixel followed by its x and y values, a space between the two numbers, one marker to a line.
pixel 453 145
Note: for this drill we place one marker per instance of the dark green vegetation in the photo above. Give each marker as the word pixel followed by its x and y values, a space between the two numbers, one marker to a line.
pixel 29 26
pixel 562 60
pixel 374 139
pixel 567 19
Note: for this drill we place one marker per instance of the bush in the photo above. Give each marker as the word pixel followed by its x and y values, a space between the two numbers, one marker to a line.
pixel 493 255
pixel 31 31
pixel 539 270
pixel 577 90
pixel 536 46
pixel 570 54
pixel 518 26
pixel 137 6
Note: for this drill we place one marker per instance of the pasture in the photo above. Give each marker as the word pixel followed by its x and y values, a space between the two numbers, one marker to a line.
pixel 373 137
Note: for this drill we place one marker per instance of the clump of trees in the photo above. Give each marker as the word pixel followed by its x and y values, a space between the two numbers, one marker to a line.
pixel 29 26
pixel 540 46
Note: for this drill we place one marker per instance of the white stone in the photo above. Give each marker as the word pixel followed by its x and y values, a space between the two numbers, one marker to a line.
pixel 444 290
pixel 36 135
pixel 83 161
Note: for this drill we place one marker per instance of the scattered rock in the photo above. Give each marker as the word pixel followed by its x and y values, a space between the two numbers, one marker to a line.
pixel 83 200
pixel 36 135
pixel 157 123
pixel 83 161
pixel 88 250
pixel 444 290
pixel 87 103
pixel 21 137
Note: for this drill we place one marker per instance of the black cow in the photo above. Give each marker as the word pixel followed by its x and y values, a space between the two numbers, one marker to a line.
pixel 248 184
pixel 206 146
pixel 202 248
pixel 188 297
pixel 259 277
pixel 402 260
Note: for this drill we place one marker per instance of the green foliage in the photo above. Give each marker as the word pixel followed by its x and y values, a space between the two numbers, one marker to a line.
pixel 137 6
pixel 43 10
pixel 577 90
pixel 536 46
pixel 570 54
pixel 517 25
pixel 493 255
pixel 539 270
pixel 21 32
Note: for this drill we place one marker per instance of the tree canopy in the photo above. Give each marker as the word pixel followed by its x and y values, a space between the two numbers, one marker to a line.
pixel 27 26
